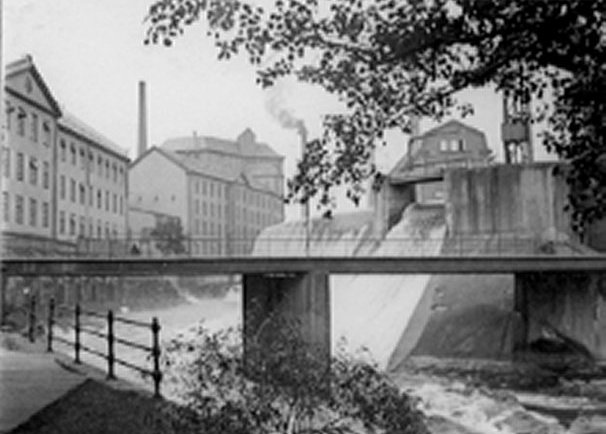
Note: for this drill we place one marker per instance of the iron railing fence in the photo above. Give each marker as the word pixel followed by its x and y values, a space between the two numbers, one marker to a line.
pixel 110 337
pixel 328 245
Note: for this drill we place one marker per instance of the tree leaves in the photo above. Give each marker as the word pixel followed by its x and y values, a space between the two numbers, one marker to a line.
pixel 389 60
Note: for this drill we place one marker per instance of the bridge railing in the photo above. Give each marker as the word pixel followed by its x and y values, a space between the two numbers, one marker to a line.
pixel 109 336
pixel 331 245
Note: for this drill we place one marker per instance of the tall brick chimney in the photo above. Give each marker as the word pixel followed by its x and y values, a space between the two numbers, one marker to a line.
pixel 142 145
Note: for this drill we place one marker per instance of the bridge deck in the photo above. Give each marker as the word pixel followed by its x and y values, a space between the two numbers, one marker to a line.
pixel 273 265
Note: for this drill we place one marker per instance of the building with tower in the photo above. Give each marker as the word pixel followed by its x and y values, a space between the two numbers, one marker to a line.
pixel 224 192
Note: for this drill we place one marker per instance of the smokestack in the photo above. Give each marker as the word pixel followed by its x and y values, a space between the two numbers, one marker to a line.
pixel 142 120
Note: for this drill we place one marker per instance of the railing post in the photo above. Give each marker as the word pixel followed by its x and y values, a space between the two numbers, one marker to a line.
pixel 156 374
pixel 32 318
pixel 51 322
pixel 77 333
pixel 110 345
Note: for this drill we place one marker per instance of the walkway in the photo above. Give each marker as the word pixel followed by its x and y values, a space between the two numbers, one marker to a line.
pixel 29 381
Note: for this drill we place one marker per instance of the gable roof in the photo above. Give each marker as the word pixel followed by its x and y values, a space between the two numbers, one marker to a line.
pixel 198 166
pixel 70 122
pixel 406 162
pixel 446 125
pixel 26 64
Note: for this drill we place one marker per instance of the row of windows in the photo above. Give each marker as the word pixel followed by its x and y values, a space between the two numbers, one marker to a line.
pixel 23 118
pixel 34 172
pixel 210 188
pixel 217 190
pixel 36 215
pixel 72 224
pixel 78 192
pixel 211 209
pixel 454 145
pixel 105 168
pixel 202 227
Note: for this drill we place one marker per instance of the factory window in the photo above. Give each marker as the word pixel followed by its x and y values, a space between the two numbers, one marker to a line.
pixel 72 190
pixel 63 150
pixel 82 159
pixel 19 209
pixel 46 133
pixel 82 194
pixel 6 206
pixel 33 171
pixel 62 187
pixel 46 175
pixel 21 115
pixel 6 157
pixel 74 154
pixel 33 212
pixel 62 222
pixel 9 110
pixel 72 224
pixel 34 127
pixel 20 168
pixel 45 215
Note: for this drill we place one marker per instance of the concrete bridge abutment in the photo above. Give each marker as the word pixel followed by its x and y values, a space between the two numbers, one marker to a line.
pixel 569 308
pixel 286 306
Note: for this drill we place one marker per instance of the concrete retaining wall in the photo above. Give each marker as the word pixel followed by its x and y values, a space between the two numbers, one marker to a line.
pixel 506 199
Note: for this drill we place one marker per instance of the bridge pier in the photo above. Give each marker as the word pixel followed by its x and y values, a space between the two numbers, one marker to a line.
pixel 570 307
pixel 274 301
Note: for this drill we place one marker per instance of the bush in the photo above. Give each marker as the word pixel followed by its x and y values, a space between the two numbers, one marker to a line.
pixel 283 386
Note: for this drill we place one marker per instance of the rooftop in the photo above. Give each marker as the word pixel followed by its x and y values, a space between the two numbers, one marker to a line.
pixel 71 122
pixel 244 146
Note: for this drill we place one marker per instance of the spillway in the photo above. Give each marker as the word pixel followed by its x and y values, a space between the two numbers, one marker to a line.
pixel 371 312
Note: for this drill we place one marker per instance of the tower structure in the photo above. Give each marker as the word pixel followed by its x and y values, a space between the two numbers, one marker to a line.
pixel 516 130
pixel 142 133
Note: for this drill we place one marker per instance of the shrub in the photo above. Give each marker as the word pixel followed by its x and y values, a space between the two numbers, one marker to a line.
pixel 282 386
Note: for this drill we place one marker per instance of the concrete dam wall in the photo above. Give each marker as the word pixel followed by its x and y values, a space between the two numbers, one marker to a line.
pixel 488 211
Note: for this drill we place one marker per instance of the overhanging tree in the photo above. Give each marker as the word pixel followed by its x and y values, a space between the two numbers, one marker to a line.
pixel 390 60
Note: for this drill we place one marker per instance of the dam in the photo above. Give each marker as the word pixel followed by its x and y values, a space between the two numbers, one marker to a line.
pixel 490 211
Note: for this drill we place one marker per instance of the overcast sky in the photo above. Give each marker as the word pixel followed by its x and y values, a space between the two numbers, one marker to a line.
pixel 91 54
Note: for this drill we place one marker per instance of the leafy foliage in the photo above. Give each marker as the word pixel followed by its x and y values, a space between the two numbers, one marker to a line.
pixel 391 60
pixel 283 387
pixel 169 237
